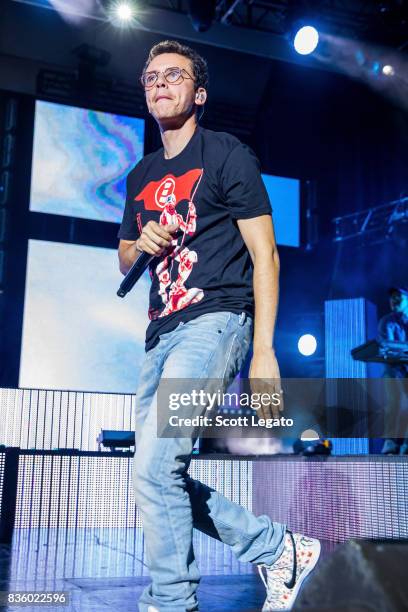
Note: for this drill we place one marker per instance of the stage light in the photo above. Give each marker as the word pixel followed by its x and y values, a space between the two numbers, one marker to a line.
pixel 307 345
pixel 388 70
pixel 309 435
pixel 122 13
pixel 306 40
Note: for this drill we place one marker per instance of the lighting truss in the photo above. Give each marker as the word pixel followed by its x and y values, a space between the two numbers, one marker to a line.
pixel 343 17
pixel 356 19
pixel 373 225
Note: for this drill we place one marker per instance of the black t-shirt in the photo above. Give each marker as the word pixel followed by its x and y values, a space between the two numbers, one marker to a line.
pixel 214 181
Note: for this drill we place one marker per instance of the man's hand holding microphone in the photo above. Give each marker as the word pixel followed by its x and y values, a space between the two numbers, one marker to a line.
pixel 155 238
pixel 135 256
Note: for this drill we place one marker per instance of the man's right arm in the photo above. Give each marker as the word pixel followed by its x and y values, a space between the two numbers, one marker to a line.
pixel 154 239
pixel 128 253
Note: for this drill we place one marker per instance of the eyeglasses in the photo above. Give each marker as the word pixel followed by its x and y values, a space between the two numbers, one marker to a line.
pixel 172 75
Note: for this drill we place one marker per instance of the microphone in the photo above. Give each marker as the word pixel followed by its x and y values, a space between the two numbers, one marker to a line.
pixel 141 264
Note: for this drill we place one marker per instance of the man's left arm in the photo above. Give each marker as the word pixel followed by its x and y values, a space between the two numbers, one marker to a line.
pixel 258 235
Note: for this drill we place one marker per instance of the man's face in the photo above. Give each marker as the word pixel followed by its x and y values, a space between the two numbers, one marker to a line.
pixel 168 102
pixel 399 302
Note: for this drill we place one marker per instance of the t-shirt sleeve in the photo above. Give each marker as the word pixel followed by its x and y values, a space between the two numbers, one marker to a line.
pixel 242 185
pixel 128 228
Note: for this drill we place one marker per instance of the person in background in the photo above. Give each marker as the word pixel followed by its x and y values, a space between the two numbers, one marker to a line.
pixel 393 327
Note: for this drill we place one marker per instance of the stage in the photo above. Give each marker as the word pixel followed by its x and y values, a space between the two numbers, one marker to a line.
pixel 103 569
pixel 76 527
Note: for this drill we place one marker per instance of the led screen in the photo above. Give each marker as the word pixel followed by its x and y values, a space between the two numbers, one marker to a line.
pixel 81 159
pixel 77 334
pixel 284 194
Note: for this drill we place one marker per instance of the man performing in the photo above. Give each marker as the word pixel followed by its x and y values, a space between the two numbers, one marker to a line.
pixel 394 327
pixel 199 205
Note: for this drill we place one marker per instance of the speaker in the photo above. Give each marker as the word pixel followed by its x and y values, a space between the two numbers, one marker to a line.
pixel 360 576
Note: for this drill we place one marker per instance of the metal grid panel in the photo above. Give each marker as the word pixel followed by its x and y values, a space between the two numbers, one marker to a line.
pixel 72 492
pixel 47 420
pixel 335 499
pixel 231 478
pixel 2 466
pixel 75 492
pixel 345 327
pixel 348 323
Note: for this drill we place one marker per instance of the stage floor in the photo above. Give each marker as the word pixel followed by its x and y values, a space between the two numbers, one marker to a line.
pixel 105 569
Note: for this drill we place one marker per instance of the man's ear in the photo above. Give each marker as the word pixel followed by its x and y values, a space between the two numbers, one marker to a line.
pixel 201 96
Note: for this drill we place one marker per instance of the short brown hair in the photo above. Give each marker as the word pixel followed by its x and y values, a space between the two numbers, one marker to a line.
pixel 200 69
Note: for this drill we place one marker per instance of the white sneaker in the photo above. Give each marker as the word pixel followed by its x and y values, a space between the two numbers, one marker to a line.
pixel 285 577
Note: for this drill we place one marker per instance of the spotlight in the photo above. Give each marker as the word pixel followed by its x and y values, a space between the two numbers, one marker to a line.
pixel 122 13
pixel 388 70
pixel 306 40
pixel 307 345
pixel 308 435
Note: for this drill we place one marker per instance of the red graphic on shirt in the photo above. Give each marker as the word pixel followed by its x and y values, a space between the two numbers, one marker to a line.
pixel 157 193
pixel 165 195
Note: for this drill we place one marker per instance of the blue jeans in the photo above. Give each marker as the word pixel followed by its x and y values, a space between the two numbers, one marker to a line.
pixel 171 503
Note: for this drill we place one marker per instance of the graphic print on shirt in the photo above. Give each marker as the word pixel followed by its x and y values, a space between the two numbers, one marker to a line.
pixel 165 195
